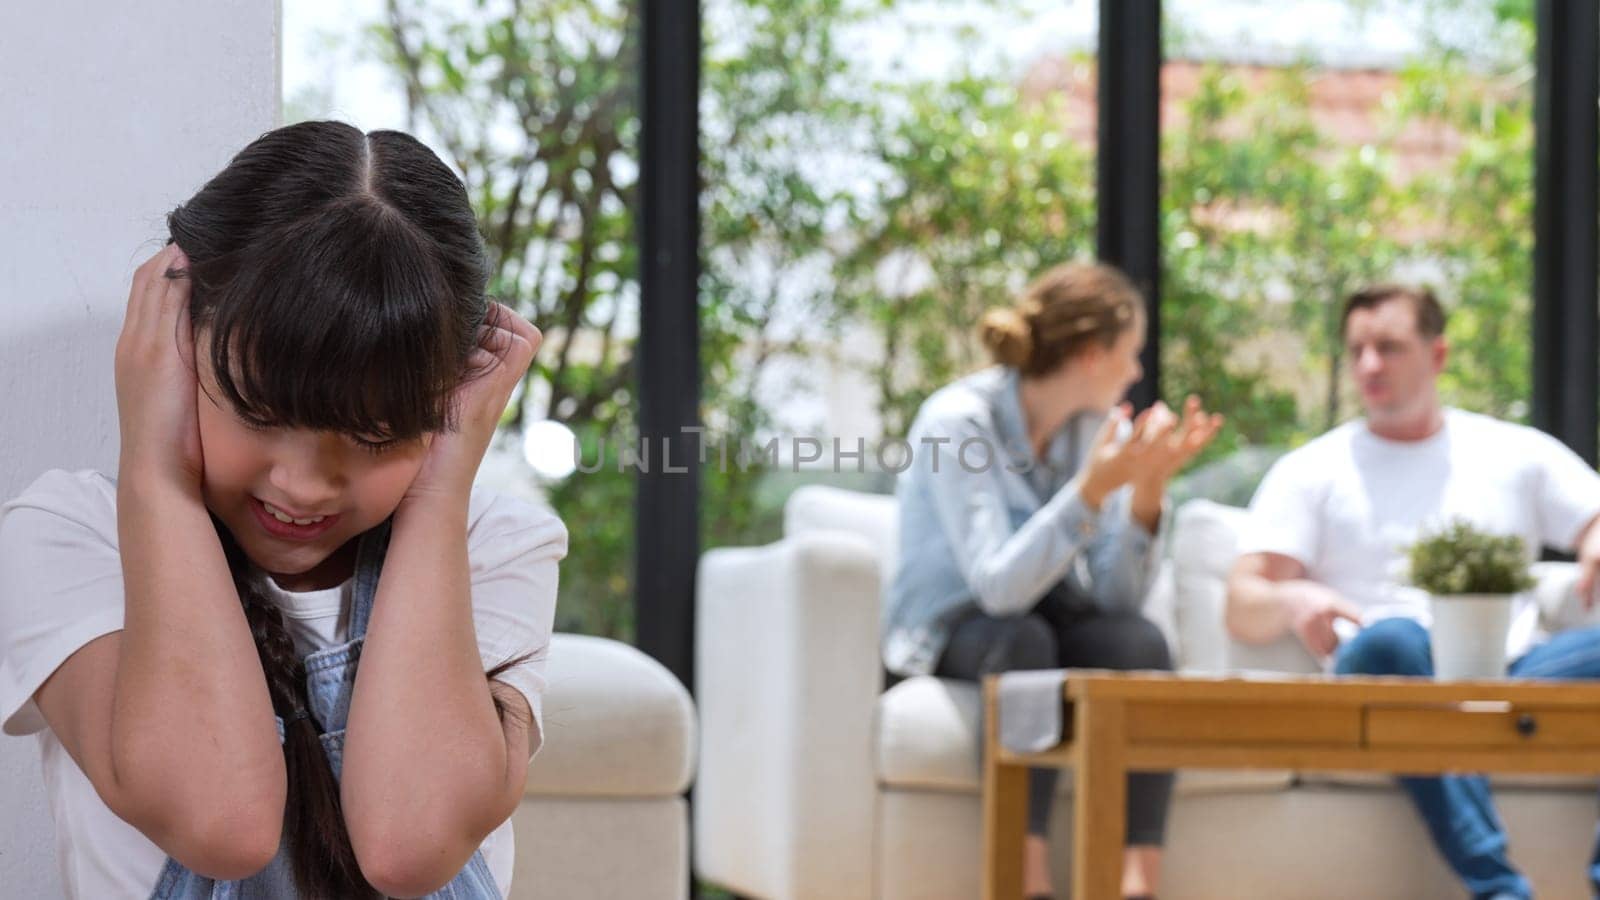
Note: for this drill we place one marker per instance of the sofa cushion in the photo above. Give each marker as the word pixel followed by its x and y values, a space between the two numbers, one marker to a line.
pixel 1204 544
pixel 928 732
pixel 818 507
pixel 616 723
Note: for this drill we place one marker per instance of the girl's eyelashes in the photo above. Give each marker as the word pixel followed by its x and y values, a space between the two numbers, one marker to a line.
pixel 252 424
pixel 376 448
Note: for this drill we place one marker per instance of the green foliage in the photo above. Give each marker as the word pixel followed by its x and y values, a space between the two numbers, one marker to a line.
pixel 981 191
pixel 1461 558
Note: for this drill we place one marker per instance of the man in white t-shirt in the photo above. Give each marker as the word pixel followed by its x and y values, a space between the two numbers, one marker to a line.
pixel 1324 543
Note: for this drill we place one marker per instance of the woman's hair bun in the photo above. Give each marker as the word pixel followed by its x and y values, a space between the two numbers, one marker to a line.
pixel 1008 337
pixel 1061 313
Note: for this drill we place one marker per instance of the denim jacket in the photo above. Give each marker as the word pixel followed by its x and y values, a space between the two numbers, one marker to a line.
pixel 984 524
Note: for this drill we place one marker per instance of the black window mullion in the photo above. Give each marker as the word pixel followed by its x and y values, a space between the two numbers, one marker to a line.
pixel 667 513
pixel 1566 229
pixel 1128 197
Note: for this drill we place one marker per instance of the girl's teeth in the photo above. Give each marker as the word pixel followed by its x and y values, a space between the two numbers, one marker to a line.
pixel 276 514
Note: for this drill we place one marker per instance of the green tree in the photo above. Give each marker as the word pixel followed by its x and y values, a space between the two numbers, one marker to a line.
pixel 982 190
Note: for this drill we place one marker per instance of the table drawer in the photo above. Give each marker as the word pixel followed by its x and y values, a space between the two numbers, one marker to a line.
pixel 1234 723
pixel 1481 725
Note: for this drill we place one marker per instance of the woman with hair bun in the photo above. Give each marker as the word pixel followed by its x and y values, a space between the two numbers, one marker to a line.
pixel 1028 518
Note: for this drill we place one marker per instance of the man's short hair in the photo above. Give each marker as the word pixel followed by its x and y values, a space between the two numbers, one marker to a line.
pixel 1430 315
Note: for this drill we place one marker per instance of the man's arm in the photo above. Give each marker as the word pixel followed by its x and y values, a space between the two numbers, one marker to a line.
pixel 1567 504
pixel 1269 595
pixel 1588 545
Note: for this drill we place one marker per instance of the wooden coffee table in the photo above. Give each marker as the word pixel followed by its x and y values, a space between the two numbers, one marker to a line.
pixel 1117 722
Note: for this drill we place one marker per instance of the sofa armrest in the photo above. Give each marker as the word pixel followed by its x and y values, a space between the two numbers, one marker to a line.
pixel 1209 649
pixel 617 724
pixel 787 678
pixel 1205 544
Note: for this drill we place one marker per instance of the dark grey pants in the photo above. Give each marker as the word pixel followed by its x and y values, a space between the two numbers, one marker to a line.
pixel 1054 637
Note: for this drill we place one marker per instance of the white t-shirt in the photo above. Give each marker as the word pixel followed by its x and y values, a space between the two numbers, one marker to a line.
pixel 1348 503
pixel 61 587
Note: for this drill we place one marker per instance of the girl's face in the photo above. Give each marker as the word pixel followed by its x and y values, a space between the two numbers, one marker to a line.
pixel 300 473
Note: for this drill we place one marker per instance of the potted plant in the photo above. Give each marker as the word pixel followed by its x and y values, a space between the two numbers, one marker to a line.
pixel 1471 575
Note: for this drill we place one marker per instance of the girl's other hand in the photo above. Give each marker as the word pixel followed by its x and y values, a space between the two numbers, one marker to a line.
pixel 156 385
pixel 506 345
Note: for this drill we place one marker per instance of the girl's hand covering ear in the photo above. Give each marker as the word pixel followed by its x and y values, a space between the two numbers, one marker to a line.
pixel 155 375
pixel 505 349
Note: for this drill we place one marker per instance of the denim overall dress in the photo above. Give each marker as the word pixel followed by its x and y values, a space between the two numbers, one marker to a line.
pixel 330 676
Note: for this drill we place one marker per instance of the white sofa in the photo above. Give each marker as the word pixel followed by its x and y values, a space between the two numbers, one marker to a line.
pixel 604 815
pixel 815 784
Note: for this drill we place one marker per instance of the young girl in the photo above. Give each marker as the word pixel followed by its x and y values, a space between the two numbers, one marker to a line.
pixel 289 651
pixel 1040 557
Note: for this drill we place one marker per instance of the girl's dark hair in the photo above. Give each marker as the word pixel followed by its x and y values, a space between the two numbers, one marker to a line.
pixel 338 279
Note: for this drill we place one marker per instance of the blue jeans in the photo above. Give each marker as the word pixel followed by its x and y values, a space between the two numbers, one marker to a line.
pixel 1457 808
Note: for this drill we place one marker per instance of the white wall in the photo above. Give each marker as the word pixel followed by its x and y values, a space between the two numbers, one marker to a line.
pixel 110 115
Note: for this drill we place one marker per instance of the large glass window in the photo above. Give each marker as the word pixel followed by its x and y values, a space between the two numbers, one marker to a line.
pixel 1309 149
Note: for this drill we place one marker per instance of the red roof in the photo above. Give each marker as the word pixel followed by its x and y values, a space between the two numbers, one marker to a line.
pixel 1347 105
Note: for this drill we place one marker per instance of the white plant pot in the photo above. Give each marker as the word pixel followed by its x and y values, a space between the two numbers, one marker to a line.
pixel 1469 635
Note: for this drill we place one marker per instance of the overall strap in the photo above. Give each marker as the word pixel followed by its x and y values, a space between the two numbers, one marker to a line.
pixel 369 563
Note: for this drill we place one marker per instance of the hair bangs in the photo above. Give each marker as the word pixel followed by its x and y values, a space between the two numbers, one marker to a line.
pixel 334 327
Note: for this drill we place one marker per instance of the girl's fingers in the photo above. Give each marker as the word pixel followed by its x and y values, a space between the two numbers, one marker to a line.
pixel 175 291
pixel 502 316
pixel 495 314
pixel 162 297
pixel 154 299
pixel 145 302
pixel 495 340
pixel 503 319
pixel 136 291
pixel 506 346
pixel 480 358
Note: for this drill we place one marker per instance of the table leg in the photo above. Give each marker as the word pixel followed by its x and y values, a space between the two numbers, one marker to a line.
pixel 1005 808
pixel 1099 794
